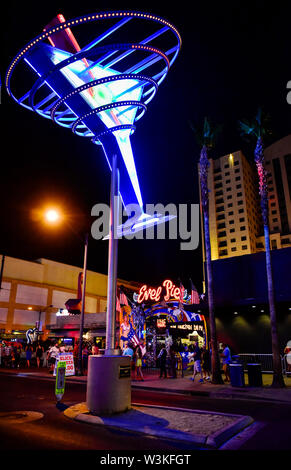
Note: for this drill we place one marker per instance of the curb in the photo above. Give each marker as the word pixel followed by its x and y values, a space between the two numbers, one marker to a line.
pixel 80 413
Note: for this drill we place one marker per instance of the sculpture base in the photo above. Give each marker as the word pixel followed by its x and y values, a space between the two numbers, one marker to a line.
pixel 108 384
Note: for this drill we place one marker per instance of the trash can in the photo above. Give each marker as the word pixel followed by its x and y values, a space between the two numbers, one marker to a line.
pixel 236 372
pixel 255 375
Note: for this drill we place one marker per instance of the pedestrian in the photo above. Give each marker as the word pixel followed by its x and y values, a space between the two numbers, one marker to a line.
pixel 128 351
pixel 28 351
pixel 197 363
pixel 95 350
pixel 76 353
pixel 85 354
pixel 38 353
pixel 52 356
pixel 17 357
pixel 163 361
pixel 173 363
pixel 206 366
pixel 138 364
pixel 62 348
pixel 7 355
pixel 226 360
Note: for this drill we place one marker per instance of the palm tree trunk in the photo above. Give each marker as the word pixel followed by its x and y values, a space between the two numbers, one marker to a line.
pixel 215 362
pixel 278 380
pixel 203 172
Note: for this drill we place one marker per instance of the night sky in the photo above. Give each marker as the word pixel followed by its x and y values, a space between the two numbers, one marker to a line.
pixel 234 57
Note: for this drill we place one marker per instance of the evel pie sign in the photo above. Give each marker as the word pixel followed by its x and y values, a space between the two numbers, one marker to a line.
pixel 150 293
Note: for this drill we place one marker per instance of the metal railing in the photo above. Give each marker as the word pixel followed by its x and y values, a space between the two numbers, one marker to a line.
pixel 266 361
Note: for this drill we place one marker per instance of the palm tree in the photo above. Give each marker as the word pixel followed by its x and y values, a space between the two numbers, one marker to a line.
pixel 259 128
pixel 205 138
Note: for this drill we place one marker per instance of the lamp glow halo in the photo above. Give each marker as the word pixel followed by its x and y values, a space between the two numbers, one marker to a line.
pixel 100 89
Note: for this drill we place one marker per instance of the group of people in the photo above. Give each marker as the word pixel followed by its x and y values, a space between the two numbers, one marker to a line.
pixel 202 362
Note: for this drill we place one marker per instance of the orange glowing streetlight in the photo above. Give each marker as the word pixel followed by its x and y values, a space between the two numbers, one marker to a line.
pixel 52 215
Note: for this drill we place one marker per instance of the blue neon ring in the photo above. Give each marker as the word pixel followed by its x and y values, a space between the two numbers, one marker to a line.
pixel 117 104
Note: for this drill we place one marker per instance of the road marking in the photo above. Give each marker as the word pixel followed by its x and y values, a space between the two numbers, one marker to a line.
pixel 19 417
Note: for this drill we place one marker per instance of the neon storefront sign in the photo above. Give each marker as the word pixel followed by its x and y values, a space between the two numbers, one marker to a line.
pixel 150 293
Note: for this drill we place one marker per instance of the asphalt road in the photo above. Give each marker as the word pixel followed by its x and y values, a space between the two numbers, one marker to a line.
pixel 52 431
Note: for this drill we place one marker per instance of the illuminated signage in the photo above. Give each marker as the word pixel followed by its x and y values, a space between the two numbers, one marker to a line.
pixel 161 323
pixel 149 293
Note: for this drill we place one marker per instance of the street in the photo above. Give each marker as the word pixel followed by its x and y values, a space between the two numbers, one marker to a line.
pixel 53 431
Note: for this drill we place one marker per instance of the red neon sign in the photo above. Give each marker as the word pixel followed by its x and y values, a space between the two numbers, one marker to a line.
pixel 149 293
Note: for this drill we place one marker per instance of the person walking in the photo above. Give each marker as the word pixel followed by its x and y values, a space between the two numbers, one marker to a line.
pixel 163 360
pixel 39 352
pixel 138 364
pixel 173 363
pixel 206 365
pixel 85 355
pixel 95 350
pixel 52 357
pixel 226 360
pixel 197 363
pixel 28 351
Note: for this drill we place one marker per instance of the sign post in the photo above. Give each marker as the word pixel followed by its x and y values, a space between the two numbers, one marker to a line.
pixel 60 380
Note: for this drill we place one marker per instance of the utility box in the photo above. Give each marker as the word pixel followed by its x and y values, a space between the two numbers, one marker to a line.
pixel 108 384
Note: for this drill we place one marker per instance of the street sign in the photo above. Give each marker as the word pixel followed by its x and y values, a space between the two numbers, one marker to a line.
pixel 60 380
pixel 68 358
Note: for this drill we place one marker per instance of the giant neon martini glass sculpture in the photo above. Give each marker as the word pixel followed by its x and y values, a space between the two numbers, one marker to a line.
pixel 99 87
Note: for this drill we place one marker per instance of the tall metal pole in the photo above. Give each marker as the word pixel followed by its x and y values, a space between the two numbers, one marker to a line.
pixel 2 269
pixel 80 367
pixel 112 261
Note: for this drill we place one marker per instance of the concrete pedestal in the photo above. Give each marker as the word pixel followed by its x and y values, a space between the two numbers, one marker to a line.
pixel 109 384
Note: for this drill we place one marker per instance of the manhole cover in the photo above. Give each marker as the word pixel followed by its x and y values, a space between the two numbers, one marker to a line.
pixel 19 417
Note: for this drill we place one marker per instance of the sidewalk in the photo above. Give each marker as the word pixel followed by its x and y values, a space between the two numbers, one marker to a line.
pixel 184 385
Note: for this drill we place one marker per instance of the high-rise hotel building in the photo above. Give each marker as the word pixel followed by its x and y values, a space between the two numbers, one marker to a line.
pixel 235 220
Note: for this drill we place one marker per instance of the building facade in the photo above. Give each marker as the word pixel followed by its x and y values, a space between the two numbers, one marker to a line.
pixel 33 291
pixel 235 220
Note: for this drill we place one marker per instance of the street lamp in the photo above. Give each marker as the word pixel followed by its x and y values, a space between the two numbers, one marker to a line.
pixel 52 216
